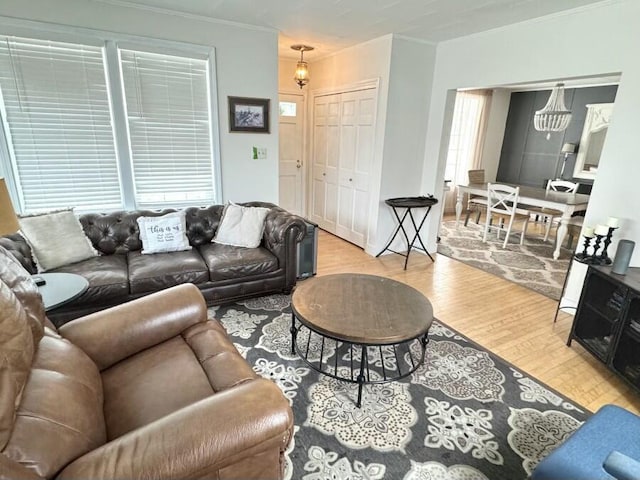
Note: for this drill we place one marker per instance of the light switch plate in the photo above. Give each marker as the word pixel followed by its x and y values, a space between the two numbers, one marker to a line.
pixel 259 153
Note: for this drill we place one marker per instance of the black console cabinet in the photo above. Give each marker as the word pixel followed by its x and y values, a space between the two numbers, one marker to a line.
pixel 607 322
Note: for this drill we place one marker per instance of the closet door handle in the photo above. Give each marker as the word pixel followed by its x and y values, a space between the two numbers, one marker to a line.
pixel 351 179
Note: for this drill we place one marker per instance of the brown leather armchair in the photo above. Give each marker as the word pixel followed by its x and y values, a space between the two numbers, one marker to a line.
pixel 148 389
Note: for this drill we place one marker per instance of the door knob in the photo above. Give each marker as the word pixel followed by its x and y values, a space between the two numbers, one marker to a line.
pixel 351 179
pixel 298 164
pixel 324 174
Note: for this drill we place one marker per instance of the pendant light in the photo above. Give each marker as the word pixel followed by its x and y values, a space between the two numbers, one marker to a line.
pixel 302 69
pixel 554 117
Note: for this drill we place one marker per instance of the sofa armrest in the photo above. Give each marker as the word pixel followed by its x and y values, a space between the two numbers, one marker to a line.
pixel 20 249
pixel 621 466
pixel 279 222
pixel 116 333
pixel 283 231
pixel 198 440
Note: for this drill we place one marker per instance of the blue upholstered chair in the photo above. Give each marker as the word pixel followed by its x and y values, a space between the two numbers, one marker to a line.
pixel 605 447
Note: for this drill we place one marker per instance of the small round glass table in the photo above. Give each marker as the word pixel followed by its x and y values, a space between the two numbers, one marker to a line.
pixel 61 288
pixel 360 328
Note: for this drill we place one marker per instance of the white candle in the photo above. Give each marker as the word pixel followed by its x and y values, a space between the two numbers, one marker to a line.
pixel 588 232
pixel 613 222
pixel 602 230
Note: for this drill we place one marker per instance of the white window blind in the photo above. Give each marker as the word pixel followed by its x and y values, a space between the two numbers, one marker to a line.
pixel 167 106
pixel 58 124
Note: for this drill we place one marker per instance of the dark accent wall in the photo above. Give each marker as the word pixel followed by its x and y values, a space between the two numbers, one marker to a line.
pixel 527 157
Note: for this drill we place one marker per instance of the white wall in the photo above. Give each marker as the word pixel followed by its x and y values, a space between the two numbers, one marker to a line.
pixel 403 68
pixel 591 41
pixel 411 73
pixel 247 65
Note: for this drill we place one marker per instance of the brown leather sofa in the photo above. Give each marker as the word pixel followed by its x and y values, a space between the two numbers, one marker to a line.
pixel 223 273
pixel 148 389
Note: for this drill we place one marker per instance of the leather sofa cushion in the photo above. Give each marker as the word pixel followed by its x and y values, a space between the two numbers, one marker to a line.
pixel 150 273
pixel 60 417
pixel 228 262
pixel 107 276
pixel 170 376
pixel 151 385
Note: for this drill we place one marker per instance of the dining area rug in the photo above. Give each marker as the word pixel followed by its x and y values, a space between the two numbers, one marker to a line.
pixel 465 414
pixel 530 265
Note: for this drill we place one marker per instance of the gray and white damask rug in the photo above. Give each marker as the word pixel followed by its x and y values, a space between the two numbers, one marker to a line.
pixel 465 415
pixel 530 265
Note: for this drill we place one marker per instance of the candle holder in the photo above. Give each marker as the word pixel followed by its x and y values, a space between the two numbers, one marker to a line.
pixel 584 256
pixel 595 259
pixel 604 258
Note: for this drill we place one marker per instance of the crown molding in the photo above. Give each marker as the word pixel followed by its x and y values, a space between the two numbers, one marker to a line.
pixel 415 40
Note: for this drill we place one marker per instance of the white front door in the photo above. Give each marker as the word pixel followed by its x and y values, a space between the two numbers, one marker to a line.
pixel 291 116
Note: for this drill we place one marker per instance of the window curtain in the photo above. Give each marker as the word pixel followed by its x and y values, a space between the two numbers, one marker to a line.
pixel 466 140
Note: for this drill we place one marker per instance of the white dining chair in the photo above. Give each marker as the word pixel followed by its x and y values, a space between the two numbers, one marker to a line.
pixel 550 216
pixel 502 202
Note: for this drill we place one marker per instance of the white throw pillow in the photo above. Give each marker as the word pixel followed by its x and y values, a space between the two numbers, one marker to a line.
pixel 241 226
pixel 56 239
pixel 167 233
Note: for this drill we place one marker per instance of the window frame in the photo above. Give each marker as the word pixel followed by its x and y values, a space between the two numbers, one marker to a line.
pixel 110 43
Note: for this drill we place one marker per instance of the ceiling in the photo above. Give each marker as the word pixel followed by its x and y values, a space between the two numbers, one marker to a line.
pixel 331 25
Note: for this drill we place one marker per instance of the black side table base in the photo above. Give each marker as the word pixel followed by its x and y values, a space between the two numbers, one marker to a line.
pixel 355 362
pixel 409 203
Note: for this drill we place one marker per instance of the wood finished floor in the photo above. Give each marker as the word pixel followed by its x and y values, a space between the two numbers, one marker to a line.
pixel 509 320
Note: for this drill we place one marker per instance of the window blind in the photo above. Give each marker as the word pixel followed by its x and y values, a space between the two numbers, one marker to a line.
pixel 58 124
pixel 167 106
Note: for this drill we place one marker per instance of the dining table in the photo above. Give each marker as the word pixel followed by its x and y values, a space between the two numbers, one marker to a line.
pixel 566 203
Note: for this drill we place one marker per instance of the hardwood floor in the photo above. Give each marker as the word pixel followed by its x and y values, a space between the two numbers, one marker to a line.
pixel 509 320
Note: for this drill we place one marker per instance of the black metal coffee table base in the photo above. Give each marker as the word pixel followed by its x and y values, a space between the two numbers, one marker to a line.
pixel 364 363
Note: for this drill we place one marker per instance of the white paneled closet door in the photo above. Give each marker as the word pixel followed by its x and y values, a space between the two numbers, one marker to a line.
pixel 326 152
pixel 356 156
pixel 343 159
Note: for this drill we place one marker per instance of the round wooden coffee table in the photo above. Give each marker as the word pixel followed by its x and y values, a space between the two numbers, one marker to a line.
pixel 360 328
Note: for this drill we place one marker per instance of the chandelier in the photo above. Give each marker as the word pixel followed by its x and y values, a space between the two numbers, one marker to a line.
pixel 554 117
pixel 302 69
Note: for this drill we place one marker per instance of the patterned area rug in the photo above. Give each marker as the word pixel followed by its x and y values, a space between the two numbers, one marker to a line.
pixel 530 265
pixel 465 415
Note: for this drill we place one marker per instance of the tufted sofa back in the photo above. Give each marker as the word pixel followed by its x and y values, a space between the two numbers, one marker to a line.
pixel 118 232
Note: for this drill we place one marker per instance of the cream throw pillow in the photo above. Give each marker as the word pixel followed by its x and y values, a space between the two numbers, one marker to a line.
pixel 167 233
pixel 56 239
pixel 241 226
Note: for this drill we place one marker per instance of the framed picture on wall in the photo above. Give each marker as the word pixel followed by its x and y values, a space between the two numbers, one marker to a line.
pixel 248 114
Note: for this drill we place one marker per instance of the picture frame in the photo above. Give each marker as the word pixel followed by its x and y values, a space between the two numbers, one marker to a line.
pixel 248 114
